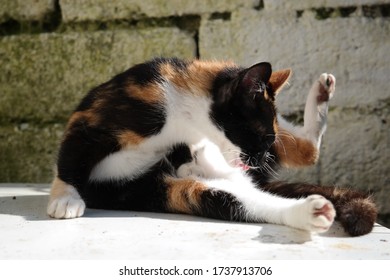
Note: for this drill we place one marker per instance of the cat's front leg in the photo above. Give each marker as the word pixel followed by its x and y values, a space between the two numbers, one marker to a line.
pixel 65 202
pixel 242 201
pixel 315 213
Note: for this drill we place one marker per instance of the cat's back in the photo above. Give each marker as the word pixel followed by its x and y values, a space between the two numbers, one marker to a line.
pixel 147 89
pixel 142 112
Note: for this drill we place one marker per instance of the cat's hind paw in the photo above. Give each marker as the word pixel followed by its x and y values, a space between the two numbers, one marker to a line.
pixel 327 86
pixel 320 213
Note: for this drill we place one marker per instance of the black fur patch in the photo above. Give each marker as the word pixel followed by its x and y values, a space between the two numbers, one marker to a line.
pixel 221 205
pixel 123 112
pixel 244 114
pixel 82 148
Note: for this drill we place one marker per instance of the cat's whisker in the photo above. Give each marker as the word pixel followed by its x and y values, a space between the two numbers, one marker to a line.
pixel 269 167
pixel 278 141
pixel 271 171
pixel 286 134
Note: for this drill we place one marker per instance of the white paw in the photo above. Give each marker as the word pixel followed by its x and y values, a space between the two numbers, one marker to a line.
pixel 318 213
pixel 66 207
pixel 327 86
pixel 189 170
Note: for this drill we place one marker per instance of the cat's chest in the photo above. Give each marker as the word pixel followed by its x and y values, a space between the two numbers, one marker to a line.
pixel 187 121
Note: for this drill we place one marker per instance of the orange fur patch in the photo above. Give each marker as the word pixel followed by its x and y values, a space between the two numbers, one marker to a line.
pixel 197 78
pixel 151 93
pixel 129 138
pixel 279 79
pixel 87 116
pixel 183 194
pixel 294 151
pixel 58 188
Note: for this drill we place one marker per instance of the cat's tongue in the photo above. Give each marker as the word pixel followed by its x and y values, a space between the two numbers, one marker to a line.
pixel 242 165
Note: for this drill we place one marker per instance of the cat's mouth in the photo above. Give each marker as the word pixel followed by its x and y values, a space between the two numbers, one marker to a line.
pixel 244 166
pixel 240 164
pixel 253 162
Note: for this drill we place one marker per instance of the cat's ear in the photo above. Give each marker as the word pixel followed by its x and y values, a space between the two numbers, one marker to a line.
pixel 279 79
pixel 257 73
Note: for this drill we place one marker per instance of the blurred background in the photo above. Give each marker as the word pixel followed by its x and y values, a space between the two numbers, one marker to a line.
pixel 53 51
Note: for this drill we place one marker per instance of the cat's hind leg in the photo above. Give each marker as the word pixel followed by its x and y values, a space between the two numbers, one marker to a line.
pixel 65 202
pixel 297 146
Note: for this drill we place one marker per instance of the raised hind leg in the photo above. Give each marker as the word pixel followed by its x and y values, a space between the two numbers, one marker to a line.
pixel 298 146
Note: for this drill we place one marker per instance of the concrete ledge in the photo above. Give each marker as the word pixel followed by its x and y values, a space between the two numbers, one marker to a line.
pixel 28 233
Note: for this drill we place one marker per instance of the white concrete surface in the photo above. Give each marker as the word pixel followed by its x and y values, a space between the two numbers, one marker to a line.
pixel 26 232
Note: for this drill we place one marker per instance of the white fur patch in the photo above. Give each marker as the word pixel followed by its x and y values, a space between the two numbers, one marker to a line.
pixel 187 122
pixel 65 202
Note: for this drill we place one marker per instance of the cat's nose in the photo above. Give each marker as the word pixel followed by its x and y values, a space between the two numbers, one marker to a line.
pixel 261 157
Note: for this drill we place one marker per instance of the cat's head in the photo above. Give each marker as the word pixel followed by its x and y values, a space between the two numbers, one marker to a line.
pixel 244 107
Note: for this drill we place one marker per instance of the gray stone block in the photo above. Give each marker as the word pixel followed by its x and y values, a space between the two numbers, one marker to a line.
pixel 353 49
pixel 44 76
pixel 307 4
pixel 356 146
pixel 28 152
pixel 26 10
pixel 101 10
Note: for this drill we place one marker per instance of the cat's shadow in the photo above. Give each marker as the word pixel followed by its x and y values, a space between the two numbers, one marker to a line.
pixel 279 234
pixel 33 208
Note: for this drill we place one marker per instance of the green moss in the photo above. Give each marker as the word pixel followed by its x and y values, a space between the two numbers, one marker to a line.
pixel 28 152
pixel 324 13
pixel 346 11
pixel 49 23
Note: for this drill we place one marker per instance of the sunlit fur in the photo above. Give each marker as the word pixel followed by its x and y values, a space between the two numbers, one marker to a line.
pixel 201 138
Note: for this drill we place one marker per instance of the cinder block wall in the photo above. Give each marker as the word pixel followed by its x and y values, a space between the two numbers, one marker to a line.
pixel 52 52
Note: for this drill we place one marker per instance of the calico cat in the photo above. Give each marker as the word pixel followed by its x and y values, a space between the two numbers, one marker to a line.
pixel 201 138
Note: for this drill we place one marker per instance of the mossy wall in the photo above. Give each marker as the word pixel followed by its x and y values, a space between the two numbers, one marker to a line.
pixel 53 51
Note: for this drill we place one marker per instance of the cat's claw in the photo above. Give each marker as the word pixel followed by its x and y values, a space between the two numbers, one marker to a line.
pixel 320 213
pixel 327 85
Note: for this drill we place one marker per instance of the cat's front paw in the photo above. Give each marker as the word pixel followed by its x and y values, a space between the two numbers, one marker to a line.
pixel 326 87
pixel 66 207
pixel 318 213
pixel 189 170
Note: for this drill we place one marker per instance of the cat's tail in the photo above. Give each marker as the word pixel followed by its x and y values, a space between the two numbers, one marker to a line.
pixel 356 211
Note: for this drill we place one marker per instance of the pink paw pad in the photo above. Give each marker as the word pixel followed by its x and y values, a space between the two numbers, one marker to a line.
pixel 327 211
